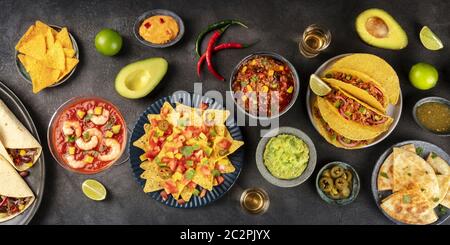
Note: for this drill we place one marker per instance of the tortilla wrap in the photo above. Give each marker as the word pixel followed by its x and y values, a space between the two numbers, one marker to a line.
pixel 348 128
pixel 13 135
pixel 320 125
pixel 359 93
pixel 375 67
pixel 12 185
pixel 410 170
pixel 385 175
pixel 409 206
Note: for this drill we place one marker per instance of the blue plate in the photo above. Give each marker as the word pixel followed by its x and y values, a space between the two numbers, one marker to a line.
pixel 193 100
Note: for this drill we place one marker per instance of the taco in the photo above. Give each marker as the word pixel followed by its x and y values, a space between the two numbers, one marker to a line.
pixel 359 85
pixel 376 68
pixel 351 118
pixel 17 145
pixel 332 136
pixel 15 195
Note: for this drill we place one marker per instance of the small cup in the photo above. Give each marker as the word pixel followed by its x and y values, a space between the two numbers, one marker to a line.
pixel 255 207
pixel 315 39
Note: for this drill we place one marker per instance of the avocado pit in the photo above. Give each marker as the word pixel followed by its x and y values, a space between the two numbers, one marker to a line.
pixel 376 27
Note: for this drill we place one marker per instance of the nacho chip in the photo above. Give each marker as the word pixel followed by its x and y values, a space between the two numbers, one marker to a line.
pixel 186 193
pixel 219 153
pixel 225 166
pixel 69 52
pixel 64 38
pixel 26 37
pixel 70 65
pixel 35 47
pixel 42 77
pixel 42 28
pixel 55 57
pixel 49 39
pixel 202 179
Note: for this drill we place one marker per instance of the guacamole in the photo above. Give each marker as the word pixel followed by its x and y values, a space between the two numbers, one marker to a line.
pixel 286 156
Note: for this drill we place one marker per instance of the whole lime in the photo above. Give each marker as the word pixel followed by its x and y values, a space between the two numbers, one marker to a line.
pixel 423 76
pixel 108 42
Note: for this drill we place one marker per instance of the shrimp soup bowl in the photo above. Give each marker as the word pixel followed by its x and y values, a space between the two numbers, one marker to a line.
pixel 87 135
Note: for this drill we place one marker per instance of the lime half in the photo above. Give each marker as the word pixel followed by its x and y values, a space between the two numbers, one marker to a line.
pixel 94 190
pixel 429 39
pixel 318 86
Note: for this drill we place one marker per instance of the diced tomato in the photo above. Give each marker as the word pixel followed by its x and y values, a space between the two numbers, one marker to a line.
pixel 147 25
pixel 220 167
pixel 204 106
pixel 187 134
pixel 205 170
pixel 180 168
pixel 166 160
pixel 170 187
pixel 172 165
pixel 169 131
pixel 181 201
pixel 224 144
pixel 220 179
pixel 203 193
pixel 164 195
pixel 192 184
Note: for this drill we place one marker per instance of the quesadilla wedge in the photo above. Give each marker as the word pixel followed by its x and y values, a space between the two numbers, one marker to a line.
pixel 376 68
pixel 359 85
pixel 350 117
pixel 410 171
pixel 17 145
pixel 15 195
pixel 332 136
pixel 409 206
pixel 385 175
pixel 444 184
pixel 439 165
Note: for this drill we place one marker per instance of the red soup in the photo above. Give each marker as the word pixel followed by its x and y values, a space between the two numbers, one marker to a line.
pixel 89 135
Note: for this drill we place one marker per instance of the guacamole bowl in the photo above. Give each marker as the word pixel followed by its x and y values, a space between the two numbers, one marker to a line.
pixel 286 157
pixel 355 185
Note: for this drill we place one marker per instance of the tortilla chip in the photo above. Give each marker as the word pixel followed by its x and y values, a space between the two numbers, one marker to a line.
pixel 35 47
pixel 215 117
pixel 154 177
pixel 55 57
pixel 187 193
pixel 69 53
pixel 49 39
pixel 410 170
pixel 409 206
pixel 26 37
pixel 70 65
pixel 42 28
pixel 385 174
pixel 41 75
pixel 64 38
pixel 235 144
pixel 205 181
pixel 225 166
pixel 439 165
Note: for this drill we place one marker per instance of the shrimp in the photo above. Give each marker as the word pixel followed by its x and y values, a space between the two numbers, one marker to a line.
pixel 113 152
pixel 95 136
pixel 71 127
pixel 74 163
pixel 101 119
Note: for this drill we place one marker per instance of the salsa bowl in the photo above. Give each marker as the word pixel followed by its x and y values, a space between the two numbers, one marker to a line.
pixel 87 135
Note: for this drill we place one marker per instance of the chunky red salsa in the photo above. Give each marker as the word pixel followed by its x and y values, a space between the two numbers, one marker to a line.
pixel 263 86
pixel 89 135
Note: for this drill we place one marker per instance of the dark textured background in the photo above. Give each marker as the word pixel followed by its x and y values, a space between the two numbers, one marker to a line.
pixel 277 24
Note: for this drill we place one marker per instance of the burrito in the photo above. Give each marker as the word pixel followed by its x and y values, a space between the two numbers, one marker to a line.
pixel 15 195
pixel 17 144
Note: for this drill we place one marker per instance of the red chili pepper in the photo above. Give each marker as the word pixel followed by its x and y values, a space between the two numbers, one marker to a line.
pixel 209 51
pixel 217 48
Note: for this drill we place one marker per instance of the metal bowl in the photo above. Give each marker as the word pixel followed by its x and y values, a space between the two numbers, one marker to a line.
pixel 276 57
pixel 24 74
pixel 51 128
pixel 426 100
pixel 394 111
pixel 153 12
pixel 283 182
pixel 355 187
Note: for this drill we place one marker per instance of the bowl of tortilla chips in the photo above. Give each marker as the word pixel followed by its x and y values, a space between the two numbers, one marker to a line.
pixel 410 183
pixel 46 55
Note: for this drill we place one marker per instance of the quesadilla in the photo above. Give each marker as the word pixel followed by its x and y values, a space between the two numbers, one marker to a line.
pixel 17 144
pixel 411 171
pixel 385 175
pixel 15 195
pixel 444 184
pixel 409 206
pixel 359 85
pixel 438 164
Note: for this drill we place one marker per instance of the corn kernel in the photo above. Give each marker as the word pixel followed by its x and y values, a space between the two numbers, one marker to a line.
pixel 244 69
pixel 109 134
pixel 270 73
pixel 98 110
pixel 280 68
pixel 22 152
pixel 178 156
pixel 253 62
pixel 72 150
pixel 265 89
pixel 290 89
pixel 88 159
pixel 169 154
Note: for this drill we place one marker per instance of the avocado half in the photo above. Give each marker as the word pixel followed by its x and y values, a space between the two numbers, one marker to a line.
pixel 138 79
pixel 378 28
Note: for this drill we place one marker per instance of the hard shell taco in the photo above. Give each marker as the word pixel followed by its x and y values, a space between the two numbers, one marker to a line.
pixel 350 117
pixel 359 85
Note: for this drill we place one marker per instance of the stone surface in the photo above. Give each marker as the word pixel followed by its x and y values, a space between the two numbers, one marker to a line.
pixel 278 25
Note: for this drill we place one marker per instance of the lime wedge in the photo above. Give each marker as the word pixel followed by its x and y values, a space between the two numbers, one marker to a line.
pixel 318 86
pixel 429 39
pixel 94 190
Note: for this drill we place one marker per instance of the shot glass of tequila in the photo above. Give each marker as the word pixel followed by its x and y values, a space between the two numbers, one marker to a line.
pixel 315 38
